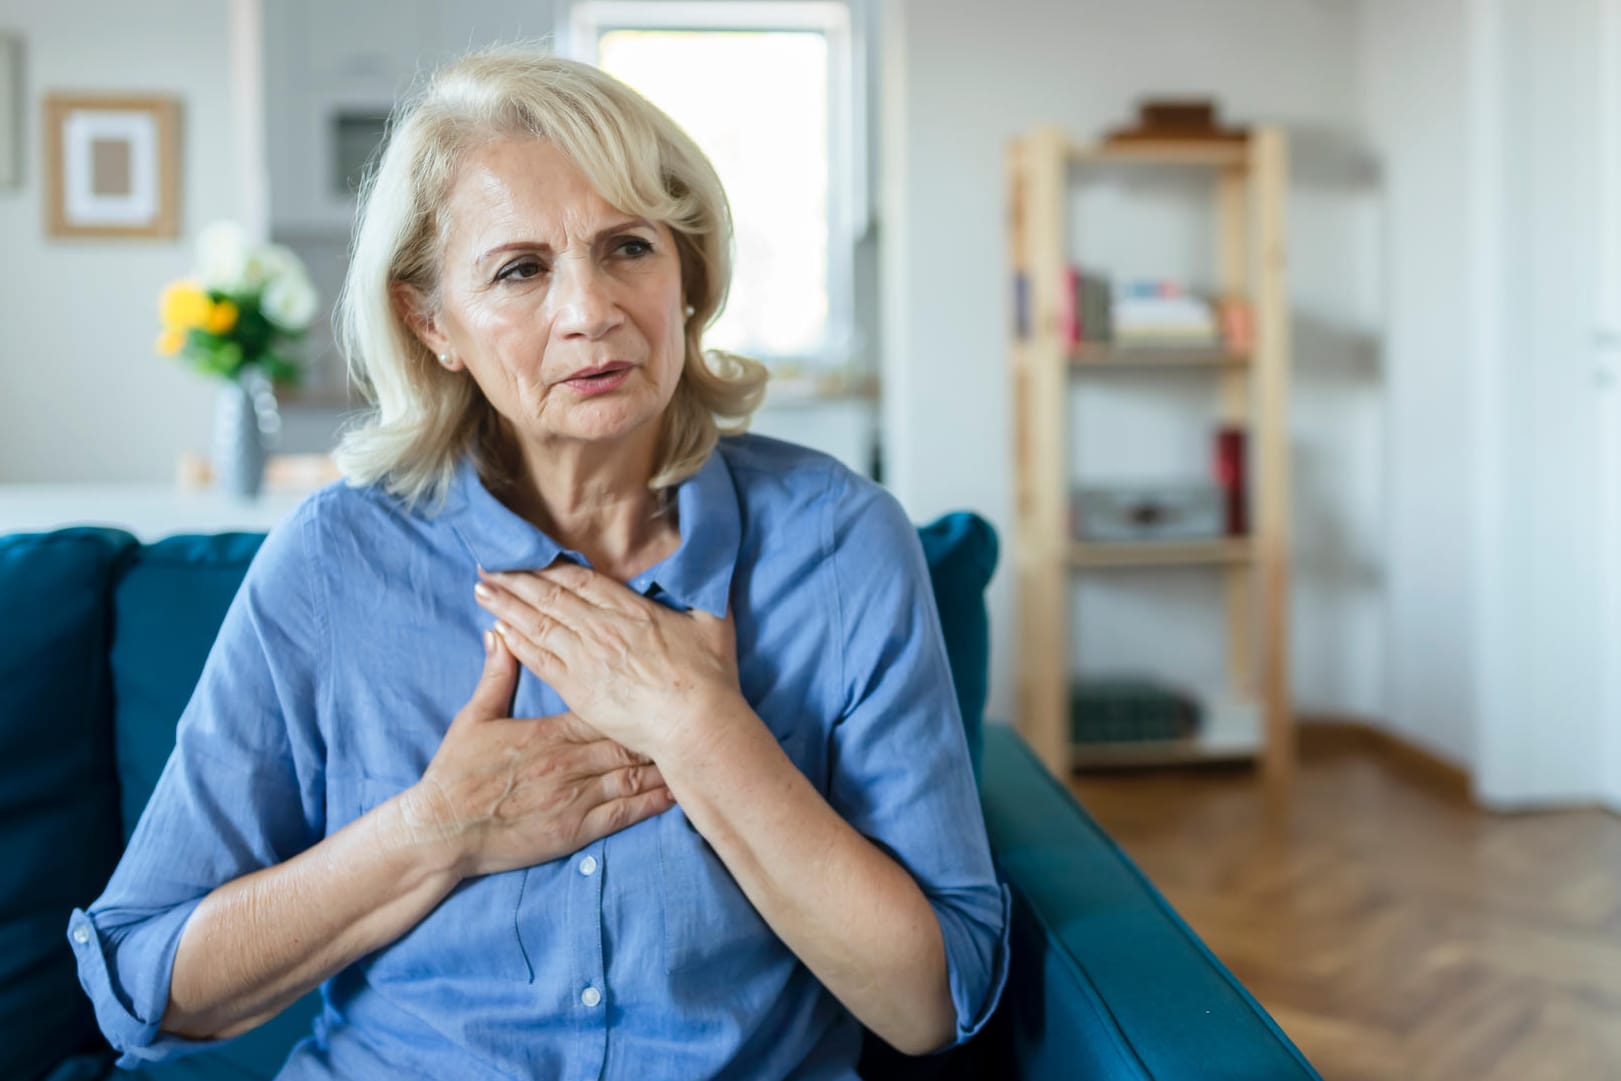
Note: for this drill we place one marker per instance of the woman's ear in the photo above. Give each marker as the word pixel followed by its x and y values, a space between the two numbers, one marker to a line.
pixel 414 311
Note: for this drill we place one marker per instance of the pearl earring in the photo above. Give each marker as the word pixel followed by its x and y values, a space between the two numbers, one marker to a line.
pixel 691 310
pixel 444 358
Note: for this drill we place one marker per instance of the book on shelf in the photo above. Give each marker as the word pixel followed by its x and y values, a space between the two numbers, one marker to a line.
pixel 1148 313
pixel 1097 311
pixel 1021 305
pixel 1084 308
pixel 1231 468
pixel 1069 310
pixel 1138 313
pixel 1162 313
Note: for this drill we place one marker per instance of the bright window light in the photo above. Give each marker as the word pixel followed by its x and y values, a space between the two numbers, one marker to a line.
pixel 757 105
pixel 764 97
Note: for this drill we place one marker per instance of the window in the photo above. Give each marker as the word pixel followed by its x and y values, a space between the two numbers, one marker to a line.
pixel 767 91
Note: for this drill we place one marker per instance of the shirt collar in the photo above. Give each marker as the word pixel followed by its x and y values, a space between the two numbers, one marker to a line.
pixel 698 574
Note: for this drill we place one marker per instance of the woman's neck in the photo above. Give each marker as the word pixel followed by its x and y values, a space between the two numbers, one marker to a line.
pixel 595 500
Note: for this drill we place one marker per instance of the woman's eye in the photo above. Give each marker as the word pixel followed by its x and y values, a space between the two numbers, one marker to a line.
pixel 635 246
pixel 512 272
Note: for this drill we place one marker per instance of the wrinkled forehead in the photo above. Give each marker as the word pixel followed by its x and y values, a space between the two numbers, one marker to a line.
pixel 526 190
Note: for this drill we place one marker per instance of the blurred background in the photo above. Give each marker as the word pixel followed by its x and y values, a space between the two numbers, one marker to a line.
pixel 1323 297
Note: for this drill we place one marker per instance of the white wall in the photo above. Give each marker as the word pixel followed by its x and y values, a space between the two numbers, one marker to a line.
pixel 1485 113
pixel 1415 107
pixel 961 78
pixel 82 395
pixel 1609 379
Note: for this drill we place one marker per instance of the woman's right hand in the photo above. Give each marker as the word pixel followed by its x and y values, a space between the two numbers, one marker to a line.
pixel 503 793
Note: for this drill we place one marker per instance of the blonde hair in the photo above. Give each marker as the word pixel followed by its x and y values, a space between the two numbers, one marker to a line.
pixel 423 417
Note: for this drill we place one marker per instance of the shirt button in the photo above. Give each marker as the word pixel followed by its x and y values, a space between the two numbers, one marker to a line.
pixel 590 996
pixel 588 866
pixel 81 934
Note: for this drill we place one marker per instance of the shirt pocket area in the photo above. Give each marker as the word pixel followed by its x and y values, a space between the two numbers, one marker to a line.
pixel 473 933
pixel 709 924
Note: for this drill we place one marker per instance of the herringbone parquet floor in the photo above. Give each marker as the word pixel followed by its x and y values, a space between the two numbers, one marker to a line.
pixel 1395 932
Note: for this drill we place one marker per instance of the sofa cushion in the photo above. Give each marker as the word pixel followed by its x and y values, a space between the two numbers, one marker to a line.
pixel 168 607
pixel 59 837
pixel 1098 950
pixel 961 551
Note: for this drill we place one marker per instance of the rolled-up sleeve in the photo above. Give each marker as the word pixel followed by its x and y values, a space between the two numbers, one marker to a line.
pixel 241 791
pixel 900 768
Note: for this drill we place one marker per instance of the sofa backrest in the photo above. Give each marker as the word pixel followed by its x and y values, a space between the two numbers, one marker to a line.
pixel 172 595
pixel 167 608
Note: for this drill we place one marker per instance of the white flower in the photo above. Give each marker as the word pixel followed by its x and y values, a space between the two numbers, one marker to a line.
pixel 279 261
pixel 222 256
pixel 228 263
pixel 290 300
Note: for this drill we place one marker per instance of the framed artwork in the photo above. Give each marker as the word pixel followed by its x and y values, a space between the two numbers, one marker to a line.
pixel 112 166
pixel 11 98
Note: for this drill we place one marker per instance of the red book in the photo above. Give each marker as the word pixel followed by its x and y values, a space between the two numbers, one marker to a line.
pixel 1231 475
pixel 1069 309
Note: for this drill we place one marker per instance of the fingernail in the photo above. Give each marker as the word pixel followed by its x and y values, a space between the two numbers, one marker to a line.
pixel 483 591
pixel 489 643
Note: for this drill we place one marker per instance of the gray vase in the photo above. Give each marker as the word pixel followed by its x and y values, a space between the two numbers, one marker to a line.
pixel 246 425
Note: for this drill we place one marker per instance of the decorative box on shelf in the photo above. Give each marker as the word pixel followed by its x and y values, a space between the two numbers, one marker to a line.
pixel 1130 709
pixel 1229 729
pixel 1159 512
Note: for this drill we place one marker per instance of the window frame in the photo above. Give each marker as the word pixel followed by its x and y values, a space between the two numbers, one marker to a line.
pixel 581 24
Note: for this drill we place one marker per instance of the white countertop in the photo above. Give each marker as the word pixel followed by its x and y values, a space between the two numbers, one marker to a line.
pixel 150 511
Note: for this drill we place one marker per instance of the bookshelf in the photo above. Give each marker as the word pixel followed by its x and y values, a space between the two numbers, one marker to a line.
pixel 1248 178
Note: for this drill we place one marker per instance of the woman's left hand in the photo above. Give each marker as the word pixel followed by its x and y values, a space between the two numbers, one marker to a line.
pixel 637 671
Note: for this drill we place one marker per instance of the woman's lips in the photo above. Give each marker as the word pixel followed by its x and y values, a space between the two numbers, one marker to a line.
pixel 587 385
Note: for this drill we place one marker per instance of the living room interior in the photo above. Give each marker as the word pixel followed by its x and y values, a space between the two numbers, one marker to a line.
pixel 1276 342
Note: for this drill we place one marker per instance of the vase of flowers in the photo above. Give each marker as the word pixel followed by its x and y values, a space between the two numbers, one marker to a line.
pixel 236 318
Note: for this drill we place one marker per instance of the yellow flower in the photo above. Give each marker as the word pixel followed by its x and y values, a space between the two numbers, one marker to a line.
pixel 183 306
pixel 170 341
pixel 221 318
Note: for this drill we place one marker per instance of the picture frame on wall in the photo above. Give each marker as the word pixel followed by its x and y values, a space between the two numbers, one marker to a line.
pixel 112 166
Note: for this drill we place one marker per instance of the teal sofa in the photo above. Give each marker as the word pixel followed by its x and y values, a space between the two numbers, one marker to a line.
pixel 104 638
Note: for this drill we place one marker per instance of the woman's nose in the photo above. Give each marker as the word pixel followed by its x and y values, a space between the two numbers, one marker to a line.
pixel 584 295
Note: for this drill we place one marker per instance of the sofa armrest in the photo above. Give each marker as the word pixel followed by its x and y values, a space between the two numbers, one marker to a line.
pixel 1107 981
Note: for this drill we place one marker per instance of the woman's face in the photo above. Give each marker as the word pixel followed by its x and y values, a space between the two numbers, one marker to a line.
pixel 543 280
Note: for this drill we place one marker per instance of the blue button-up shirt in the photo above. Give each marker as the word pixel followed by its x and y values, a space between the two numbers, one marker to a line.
pixel 355 638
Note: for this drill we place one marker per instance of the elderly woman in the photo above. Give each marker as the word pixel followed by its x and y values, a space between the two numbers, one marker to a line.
pixel 571 735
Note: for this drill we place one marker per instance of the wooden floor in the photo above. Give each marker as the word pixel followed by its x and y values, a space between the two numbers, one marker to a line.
pixel 1394 931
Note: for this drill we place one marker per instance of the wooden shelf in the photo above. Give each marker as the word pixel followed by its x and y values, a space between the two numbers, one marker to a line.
pixel 1249 183
pixel 788 392
pixel 1147 753
pixel 1224 155
pixel 1115 357
pixel 1093 554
